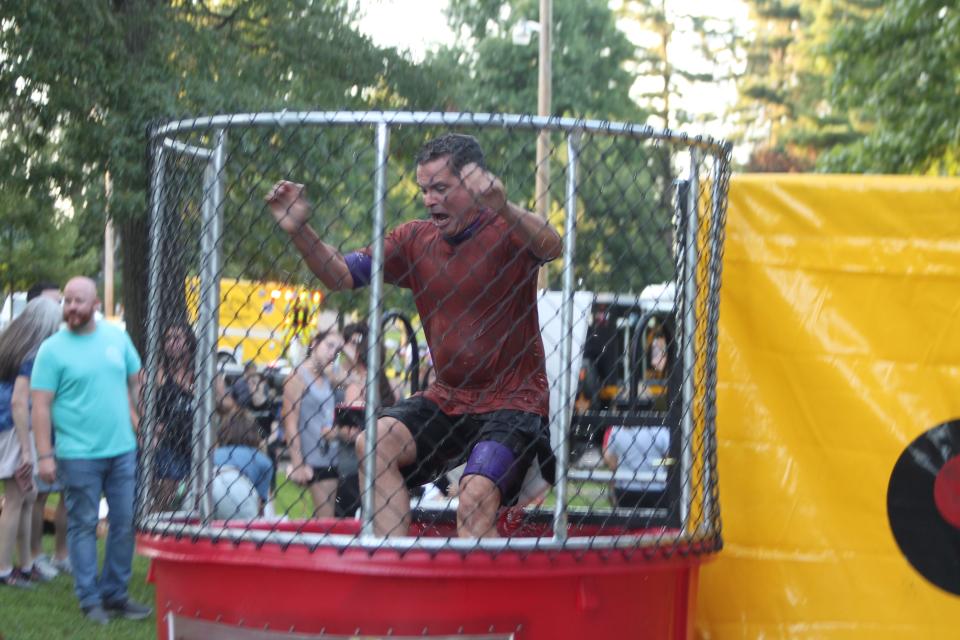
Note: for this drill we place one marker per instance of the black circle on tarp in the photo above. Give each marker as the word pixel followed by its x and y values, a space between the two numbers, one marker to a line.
pixel 930 543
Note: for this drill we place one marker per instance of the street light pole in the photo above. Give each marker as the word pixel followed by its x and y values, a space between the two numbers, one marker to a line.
pixel 544 95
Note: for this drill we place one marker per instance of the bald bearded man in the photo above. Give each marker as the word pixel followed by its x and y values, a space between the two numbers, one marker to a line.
pixel 85 379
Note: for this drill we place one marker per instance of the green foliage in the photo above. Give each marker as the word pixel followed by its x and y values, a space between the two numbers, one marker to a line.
pixel 852 85
pixel 37 242
pixel 896 73
pixel 624 237
pixel 498 75
pixel 76 112
pixel 787 109
pixel 156 59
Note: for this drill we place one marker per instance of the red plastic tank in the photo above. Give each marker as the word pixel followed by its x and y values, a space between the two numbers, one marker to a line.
pixel 245 590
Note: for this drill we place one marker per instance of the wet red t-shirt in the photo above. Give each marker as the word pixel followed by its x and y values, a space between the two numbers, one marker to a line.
pixel 477 300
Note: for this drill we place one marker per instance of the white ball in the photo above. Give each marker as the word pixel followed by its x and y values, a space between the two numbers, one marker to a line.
pixel 234 496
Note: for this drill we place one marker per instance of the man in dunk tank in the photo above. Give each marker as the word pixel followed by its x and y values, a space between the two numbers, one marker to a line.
pixel 472 267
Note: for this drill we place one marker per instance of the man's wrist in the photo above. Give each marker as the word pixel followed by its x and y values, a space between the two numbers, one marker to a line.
pixel 294 233
pixel 515 213
pixel 44 456
pixel 502 209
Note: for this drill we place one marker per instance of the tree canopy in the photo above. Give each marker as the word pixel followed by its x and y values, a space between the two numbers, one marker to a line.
pixel 74 112
pixel 846 85
pixel 896 75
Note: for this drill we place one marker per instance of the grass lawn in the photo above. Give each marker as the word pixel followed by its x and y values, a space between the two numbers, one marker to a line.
pixel 292 500
pixel 51 610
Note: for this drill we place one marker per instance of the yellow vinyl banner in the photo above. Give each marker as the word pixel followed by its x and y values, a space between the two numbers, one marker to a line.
pixel 839 346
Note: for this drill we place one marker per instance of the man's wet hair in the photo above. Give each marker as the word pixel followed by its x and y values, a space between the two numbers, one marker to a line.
pixel 461 149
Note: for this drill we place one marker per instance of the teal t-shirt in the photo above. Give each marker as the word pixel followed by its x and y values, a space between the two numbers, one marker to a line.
pixel 88 377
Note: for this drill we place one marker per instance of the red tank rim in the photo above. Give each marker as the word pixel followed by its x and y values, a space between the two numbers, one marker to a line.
pixel 390 561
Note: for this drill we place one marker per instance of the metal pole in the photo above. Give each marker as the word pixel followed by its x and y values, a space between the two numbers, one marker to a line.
pixel 715 265
pixel 544 98
pixel 209 303
pixel 566 345
pixel 153 331
pixel 373 331
pixel 689 289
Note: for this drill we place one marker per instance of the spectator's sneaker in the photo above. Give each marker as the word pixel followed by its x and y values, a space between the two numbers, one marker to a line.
pixel 16 580
pixel 63 566
pixel 44 569
pixel 130 610
pixel 34 576
pixel 96 614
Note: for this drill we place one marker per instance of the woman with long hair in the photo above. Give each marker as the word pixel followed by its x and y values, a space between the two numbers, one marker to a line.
pixel 175 408
pixel 309 401
pixel 18 348
pixel 354 357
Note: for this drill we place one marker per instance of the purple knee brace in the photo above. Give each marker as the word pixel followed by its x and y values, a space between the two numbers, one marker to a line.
pixel 496 462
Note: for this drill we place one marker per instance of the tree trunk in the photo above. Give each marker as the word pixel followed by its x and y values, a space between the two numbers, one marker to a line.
pixel 134 252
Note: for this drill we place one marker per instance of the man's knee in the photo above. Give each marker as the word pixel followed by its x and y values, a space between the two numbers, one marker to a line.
pixel 478 492
pixel 394 444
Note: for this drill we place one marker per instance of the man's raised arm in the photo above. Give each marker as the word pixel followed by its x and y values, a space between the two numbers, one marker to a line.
pixel 291 210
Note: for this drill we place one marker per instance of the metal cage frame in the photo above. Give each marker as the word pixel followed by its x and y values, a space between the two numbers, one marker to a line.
pixel 164 140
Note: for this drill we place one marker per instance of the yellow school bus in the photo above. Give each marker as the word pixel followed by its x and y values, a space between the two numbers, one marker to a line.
pixel 259 320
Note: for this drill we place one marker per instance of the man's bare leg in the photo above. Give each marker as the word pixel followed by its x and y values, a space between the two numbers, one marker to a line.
pixel 324 494
pixel 395 449
pixel 477 512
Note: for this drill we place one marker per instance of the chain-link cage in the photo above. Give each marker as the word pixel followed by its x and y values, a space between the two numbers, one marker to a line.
pixel 261 382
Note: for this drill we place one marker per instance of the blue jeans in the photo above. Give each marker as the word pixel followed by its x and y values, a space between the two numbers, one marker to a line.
pixel 84 481
pixel 170 465
pixel 252 463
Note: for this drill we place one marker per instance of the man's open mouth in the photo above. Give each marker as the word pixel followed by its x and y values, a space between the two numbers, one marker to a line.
pixel 439 218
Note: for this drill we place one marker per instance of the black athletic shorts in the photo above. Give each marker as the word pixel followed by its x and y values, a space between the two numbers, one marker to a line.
pixel 444 441
pixel 324 473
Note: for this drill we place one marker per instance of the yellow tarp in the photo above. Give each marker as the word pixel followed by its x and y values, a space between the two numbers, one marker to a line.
pixel 839 345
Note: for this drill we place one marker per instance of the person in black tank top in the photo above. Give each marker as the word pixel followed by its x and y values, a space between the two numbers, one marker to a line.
pixel 172 442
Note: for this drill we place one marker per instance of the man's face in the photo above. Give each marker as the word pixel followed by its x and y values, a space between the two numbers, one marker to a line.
pixel 79 305
pixel 451 206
